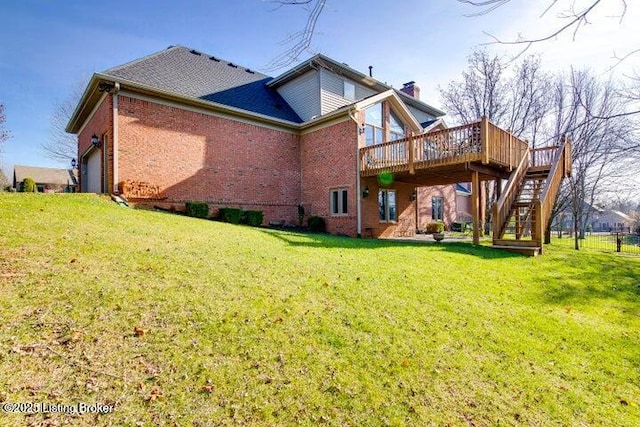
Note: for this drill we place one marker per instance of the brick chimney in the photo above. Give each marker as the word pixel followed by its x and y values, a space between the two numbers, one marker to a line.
pixel 411 89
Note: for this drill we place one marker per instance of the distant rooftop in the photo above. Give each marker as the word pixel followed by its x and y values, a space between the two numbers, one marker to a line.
pixel 45 175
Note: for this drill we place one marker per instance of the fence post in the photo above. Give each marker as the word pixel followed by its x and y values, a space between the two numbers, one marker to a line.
pixel 618 242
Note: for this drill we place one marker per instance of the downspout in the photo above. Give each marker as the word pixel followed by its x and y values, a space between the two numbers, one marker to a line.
pixel 116 89
pixel 358 192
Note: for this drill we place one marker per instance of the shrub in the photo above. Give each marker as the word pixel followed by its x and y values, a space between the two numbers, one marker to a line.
pixel 435 227
pixel 252 218
pixel 317 224
pixel 197 209
pixel 29 186
pixel 230 215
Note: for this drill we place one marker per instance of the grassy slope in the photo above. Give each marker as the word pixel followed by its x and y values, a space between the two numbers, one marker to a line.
pixel 263 327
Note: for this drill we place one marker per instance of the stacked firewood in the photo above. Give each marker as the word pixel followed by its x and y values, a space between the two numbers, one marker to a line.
pixel 139 190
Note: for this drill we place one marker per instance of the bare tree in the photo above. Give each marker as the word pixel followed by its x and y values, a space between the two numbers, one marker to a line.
pixel 299 41
pixel 4 133
pixel 572 19
pixel 590 116
pixel 513 96
pixel 63 146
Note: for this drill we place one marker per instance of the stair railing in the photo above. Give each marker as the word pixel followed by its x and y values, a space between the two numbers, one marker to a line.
pixel 502 208
pixel 560 168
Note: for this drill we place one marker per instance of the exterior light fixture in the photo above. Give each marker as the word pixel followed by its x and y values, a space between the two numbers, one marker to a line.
pixel 361 129
pixel 94 140
pixel 412 196
pixel 365 192
pixel 74 163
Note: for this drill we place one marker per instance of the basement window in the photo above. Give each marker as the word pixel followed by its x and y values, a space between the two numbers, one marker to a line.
pixel 339 203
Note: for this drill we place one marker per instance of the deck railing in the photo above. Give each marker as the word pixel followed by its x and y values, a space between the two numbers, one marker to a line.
pixel 481 141
pixel 561 168
pixel 502 208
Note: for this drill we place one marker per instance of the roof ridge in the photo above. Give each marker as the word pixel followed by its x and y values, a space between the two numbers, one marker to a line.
pixel 144 58
pixel 187 49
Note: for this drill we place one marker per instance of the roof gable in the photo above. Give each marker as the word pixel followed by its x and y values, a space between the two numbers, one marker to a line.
pixel 398 107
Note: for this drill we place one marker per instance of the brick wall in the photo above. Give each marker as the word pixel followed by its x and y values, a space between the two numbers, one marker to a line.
pixel 425 195
pixel 328 161
pixel 101 123
pixel 193 156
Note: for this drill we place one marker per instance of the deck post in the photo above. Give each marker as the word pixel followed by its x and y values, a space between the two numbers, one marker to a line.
pixel 475 206
pixel 484 132
pixel 411 171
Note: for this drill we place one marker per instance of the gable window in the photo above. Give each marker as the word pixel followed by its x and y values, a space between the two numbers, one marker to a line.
pixel 387 205
pixel 374 131
pixel 377 123
pixel 437 208
pixel 339 202
pixel 349 90
pixel 396 128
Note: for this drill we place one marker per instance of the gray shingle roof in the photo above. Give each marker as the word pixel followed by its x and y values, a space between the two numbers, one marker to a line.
pixel 45 175
pixel 185 72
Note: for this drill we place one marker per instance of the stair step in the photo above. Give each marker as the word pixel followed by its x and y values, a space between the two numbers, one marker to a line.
pixel 510 242
pixel 524 250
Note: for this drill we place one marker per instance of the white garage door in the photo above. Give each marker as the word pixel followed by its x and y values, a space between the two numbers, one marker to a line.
pixel 94 173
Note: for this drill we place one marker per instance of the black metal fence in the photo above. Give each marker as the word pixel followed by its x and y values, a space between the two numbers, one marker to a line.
pixel 612 242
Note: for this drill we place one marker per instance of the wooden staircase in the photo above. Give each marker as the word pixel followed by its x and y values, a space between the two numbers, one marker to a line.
pixel 521 213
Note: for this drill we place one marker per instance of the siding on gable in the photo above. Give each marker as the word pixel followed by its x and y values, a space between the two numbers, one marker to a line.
pixel 331 91
pixel 302 95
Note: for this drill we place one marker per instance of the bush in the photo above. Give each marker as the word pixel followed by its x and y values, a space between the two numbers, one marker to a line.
pixel 230 215
pixel 29 186
pixel 435 227
pixel 317 224
pixel 197 209
pixel 252 218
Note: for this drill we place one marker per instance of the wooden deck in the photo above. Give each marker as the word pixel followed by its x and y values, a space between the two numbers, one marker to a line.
pixel 446 156
pixel 473 153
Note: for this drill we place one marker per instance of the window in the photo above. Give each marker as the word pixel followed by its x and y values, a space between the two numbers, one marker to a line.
pixel 376 123
pixel 339 202
pixel 387 205
pixel 349 90
pixel 396 128
pixel 437 208
pixel 374 131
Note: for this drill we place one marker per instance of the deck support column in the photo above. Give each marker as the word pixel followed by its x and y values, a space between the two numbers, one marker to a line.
pixel 475 206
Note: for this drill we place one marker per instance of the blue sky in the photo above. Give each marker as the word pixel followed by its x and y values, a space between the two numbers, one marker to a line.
pixel 48 47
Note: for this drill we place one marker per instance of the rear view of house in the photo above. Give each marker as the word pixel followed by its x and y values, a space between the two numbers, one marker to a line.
pixel 182 125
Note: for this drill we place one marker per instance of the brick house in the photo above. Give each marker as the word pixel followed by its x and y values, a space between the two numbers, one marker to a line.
pixel 182 125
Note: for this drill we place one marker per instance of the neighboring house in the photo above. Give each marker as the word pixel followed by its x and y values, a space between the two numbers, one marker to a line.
pixel 180 125
pixel 51 180
pixel 612 220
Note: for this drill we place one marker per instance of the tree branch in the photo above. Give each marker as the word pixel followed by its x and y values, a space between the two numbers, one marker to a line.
pixel 302 38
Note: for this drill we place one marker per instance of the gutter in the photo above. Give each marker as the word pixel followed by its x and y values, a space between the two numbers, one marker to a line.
pixel 116 89
pixel 352 113
pixel 72 126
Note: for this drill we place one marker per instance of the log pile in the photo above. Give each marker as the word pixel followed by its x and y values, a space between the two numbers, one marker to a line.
pixel 139 190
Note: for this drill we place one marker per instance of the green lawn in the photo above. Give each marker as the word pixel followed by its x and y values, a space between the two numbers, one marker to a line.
pixel 179 321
